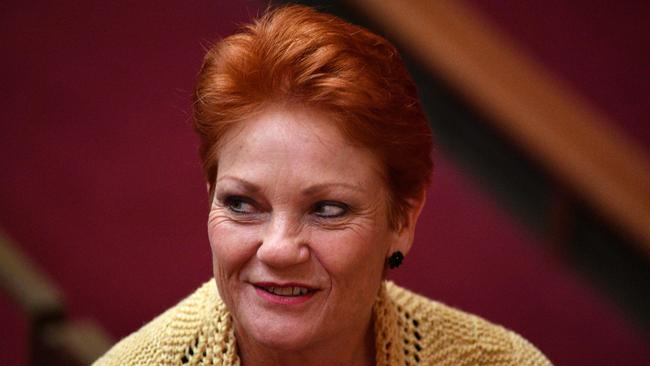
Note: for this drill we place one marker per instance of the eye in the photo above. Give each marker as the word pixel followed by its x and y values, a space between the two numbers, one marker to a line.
pixel 329 209
pixel 239 205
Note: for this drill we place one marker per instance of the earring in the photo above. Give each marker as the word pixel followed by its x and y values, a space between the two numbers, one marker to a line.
pixel 395 259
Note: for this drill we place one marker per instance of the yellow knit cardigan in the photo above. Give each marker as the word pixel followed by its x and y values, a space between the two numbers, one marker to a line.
pixel 410 330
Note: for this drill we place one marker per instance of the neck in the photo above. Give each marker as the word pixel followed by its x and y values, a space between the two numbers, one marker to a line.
pixel 357 349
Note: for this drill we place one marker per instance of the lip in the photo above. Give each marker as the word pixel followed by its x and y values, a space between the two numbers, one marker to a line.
pixel 283 300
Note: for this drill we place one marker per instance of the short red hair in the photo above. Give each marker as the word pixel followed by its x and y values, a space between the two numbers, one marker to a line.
pixel 296 55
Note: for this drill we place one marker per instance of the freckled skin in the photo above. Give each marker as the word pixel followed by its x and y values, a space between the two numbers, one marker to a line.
pixel 294 202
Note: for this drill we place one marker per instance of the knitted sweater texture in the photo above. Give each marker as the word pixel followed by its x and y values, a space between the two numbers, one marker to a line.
pixel 409 330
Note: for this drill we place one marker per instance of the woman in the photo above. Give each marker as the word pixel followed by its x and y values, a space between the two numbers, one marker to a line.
pixel 317 159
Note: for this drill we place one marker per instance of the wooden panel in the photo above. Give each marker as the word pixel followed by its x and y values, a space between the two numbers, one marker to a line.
pixel 552 123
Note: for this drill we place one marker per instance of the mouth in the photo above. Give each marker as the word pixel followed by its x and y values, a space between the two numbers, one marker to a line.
pixel 284 293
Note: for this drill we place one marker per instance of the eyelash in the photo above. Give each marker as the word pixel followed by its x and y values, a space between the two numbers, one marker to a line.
pixel 320 205
pixel 231 201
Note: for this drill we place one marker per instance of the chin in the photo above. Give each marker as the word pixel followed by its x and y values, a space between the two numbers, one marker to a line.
pixel 279 334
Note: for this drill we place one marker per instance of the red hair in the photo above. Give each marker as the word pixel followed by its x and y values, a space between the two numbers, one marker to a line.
pixel 299 56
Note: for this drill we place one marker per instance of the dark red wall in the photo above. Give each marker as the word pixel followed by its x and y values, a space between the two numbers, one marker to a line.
pixel 598 47
pixel 102 188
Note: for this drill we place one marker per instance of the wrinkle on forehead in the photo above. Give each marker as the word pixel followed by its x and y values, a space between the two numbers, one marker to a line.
pixel 285 133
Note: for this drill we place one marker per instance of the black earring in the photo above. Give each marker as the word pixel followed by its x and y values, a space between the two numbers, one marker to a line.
pixel 395 259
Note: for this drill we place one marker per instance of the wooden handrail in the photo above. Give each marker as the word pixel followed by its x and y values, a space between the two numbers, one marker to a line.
pixel 556 126
pixel 54 339
pixel 27 286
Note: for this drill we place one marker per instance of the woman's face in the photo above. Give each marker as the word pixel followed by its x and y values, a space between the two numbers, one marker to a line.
pixel 298 230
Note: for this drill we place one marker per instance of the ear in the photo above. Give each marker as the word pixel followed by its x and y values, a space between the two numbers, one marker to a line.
pixel 405 234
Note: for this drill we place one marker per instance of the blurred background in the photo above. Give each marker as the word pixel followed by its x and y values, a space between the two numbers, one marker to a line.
pixel 538 217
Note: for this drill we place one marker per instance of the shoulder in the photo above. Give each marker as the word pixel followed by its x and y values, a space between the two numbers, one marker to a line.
pixel 168 335
pixel 443 335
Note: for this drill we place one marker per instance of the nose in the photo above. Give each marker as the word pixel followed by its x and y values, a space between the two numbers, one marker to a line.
pixel 282 244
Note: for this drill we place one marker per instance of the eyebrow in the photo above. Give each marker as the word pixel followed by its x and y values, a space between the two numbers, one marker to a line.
pixel 307 191
pixel 324 186
pixel 246 184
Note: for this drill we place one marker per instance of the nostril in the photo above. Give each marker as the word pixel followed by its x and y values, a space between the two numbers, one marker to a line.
pixel 285 253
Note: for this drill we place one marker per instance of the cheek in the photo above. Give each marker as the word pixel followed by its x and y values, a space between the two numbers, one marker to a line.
pixel 232 246
pixel 349 256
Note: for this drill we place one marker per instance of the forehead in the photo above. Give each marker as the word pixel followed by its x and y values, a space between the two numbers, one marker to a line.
pixel 295 142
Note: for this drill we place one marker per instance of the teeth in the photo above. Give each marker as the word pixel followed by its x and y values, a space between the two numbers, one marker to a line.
pixel 287 291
